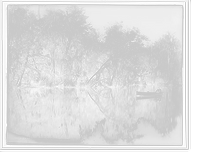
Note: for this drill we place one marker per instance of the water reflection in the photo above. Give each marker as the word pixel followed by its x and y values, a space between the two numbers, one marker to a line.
pixel 105 116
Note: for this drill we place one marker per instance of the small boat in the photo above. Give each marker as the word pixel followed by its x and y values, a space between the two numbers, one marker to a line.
pixel 144 94
pixel 155 98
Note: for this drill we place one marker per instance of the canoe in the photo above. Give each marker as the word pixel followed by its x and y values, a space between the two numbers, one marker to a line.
pixel 149 93
pixel 156 98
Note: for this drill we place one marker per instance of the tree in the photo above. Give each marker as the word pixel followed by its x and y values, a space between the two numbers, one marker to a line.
pixel 22 33
pixel 27 35
pixel 70 29
pixel 122 46
pixel 95 53
pixel 49 51
pixel 167 54
pixel 114 40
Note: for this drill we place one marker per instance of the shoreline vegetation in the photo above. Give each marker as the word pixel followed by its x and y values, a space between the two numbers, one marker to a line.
pixel 62 50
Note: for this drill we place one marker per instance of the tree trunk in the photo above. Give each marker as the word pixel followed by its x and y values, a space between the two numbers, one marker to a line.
pixel 168 67
pixel 114 74
pixel 54 70
pixel 24 68
pixel 19 82
pixel 99 70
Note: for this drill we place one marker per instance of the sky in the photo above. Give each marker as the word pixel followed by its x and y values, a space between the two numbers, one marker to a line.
pixel 152 21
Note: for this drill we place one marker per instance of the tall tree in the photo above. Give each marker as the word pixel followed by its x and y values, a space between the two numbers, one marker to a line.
pixel 122 46
pixel 22 26
pixel 27 34
pixel 168 54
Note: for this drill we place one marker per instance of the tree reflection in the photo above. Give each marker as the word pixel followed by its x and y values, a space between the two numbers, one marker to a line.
pixel 123 111
pixel 118 106
pixel 52 113
pixel 162 114
pixel 71 113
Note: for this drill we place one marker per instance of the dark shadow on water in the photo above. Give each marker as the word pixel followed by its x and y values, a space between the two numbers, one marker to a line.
pixel 70 114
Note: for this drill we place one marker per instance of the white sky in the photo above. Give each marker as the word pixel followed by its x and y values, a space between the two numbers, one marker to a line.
pixel 152 21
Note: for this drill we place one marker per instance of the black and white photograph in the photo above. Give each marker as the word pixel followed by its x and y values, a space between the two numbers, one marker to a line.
pixel 95 75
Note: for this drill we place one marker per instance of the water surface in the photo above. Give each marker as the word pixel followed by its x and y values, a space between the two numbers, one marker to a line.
pixel 89 117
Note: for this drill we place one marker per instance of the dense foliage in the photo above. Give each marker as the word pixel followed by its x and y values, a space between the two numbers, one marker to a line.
pixel 62 49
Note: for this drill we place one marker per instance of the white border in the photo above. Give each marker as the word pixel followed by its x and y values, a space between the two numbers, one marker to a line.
pixel 187 44
pixel 125 148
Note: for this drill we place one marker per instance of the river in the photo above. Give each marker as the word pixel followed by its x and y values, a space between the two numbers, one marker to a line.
pixel 72 116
